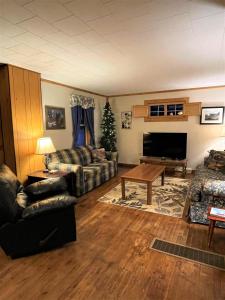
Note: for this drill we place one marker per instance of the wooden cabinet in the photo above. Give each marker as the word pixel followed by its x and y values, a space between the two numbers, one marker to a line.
pixel 163 110
pixel 140 111
pixel 21 114
pixel 192 109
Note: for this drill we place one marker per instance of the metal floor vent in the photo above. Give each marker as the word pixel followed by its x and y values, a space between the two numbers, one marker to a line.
pixel 192 254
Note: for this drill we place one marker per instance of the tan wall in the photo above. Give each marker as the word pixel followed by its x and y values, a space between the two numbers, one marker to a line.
pixel 56 95
pixel 201 138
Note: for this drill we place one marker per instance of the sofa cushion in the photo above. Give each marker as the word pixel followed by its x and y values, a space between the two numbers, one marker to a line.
pixel 67 156
pixel 10 210
pixel 45 188
pixel 214 187
pixel 85 155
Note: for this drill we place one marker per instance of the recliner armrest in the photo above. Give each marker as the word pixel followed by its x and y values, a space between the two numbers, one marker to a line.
pixel 48 204
pixel 45 188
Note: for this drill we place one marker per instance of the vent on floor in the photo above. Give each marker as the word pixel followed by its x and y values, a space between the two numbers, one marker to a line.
pixel 203 257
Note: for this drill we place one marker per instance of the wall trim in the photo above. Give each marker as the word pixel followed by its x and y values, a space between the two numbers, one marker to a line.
pixel 133 94
pixel 169 91
pixel 71 87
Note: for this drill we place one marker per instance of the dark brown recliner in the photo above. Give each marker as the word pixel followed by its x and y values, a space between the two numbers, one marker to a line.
pixel 35 218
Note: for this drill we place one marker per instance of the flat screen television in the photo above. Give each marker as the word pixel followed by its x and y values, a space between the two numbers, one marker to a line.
pixel 165 145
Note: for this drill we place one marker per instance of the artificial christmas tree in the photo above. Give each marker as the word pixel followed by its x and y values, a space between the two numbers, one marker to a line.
pixel 108 139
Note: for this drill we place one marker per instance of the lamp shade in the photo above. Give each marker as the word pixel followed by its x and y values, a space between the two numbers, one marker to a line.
pixel 45 146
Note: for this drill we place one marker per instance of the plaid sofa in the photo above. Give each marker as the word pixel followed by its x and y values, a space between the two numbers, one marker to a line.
pixel 87 174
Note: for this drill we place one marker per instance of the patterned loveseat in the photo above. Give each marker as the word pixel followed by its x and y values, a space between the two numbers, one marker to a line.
pixel 87 173
pixel 207 187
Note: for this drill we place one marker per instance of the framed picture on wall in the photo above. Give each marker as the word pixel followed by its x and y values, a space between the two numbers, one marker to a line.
pixel 126 119
pixel 55 117
pixel 212 115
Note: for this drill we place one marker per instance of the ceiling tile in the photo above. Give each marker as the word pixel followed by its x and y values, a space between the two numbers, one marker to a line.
pixel 13 12
pixel 7 42
pixel 30 39
pixel 50 11
pixel 25 50
pixel 106 25
pixel 76 48
pixel 90 38
pixel 200 9
pixel 7 28
pixel 38 26
pixel 96 9
pixel 116 46
pixel 60 38
pixel 72 26
pixel 209 25
pixel 23 2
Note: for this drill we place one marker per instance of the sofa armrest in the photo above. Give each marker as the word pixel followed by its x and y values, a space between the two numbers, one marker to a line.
pixel 214 187
pixel 65 167
pixel 77 174
pixel 112 155
pixel 48 204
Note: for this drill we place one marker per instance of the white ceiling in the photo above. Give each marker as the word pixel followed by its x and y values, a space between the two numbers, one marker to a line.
pixel 117 46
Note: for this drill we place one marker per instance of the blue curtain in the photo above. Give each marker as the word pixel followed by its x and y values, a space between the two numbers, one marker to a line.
pixel 89 123
pixel 76 120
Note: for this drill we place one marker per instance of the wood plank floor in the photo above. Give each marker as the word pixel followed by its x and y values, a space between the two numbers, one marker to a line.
pixel 112 260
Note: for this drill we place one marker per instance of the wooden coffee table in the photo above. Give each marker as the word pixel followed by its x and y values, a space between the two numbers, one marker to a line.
pixel 144 174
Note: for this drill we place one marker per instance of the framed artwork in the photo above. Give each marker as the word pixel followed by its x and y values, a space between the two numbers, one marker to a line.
pixel 55 117
pixel 212 115
pixel 126 119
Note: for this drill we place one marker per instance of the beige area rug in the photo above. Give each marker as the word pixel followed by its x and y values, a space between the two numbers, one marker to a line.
pixel 167 200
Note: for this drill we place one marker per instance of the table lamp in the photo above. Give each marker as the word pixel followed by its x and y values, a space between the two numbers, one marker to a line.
pixel 44 147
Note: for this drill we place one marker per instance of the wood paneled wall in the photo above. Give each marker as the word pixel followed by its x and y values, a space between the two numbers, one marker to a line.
pixel 2 156
pixel 21 119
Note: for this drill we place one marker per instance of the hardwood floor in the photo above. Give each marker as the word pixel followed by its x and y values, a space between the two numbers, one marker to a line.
pixel 111 259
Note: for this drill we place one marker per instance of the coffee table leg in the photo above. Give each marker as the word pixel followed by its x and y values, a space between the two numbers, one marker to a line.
pixel 123 188
pixel 163 177
pixel 149 193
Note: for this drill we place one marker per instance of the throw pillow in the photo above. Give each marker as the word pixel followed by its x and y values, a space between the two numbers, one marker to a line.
pixel 217 166
pixel 99 155
pixel 215 156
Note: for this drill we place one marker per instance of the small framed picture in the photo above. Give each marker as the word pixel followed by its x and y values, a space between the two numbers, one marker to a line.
pixel 55 117
pixel 126 119
pixel 212 115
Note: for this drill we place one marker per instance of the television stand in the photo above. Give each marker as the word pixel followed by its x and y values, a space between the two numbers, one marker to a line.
pixel 166 162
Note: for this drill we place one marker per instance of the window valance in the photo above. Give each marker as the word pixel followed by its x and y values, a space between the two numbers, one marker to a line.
pixel 79 100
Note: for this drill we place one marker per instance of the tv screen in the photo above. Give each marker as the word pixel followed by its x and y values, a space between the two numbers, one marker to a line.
pixel 165 144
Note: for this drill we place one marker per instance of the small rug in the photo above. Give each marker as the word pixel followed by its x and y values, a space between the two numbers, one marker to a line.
pixel 167 200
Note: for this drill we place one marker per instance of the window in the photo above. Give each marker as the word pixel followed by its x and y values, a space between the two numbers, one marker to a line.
pixel 84 136
pixel 156 110
pixel 174 109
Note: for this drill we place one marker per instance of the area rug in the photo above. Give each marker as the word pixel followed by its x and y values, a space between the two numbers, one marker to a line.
pixel 167 200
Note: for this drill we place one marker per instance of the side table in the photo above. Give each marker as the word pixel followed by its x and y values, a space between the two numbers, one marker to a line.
pixel 165 162
pixel 212 222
